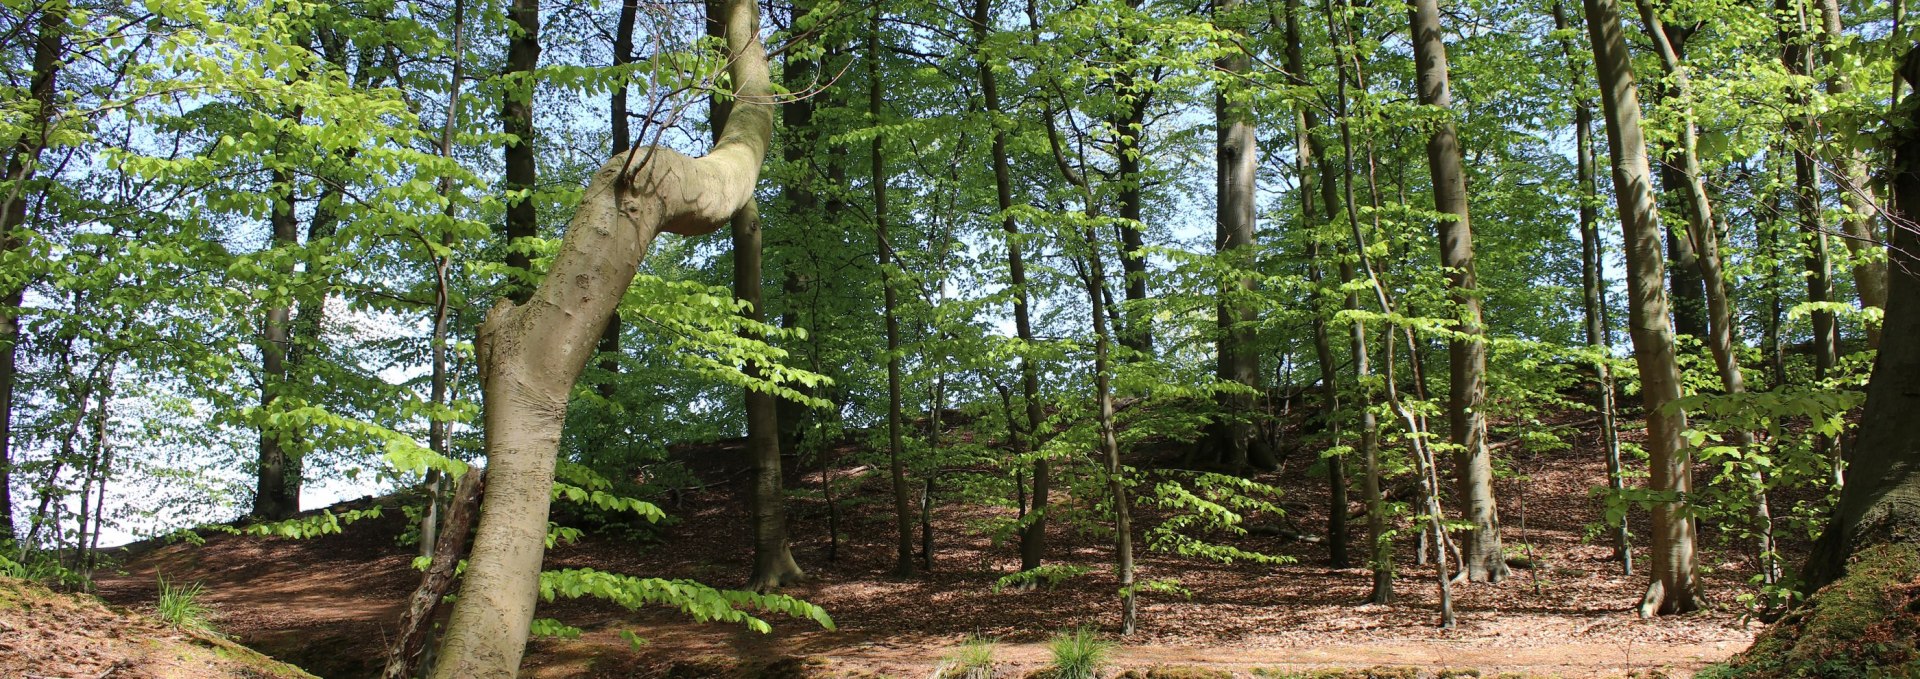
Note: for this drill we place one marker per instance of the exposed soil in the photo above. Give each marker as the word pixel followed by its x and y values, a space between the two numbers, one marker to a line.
pixel 329 604
pixel 44 634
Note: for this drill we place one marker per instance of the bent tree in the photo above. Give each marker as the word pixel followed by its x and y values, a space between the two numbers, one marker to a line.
pixel 532 352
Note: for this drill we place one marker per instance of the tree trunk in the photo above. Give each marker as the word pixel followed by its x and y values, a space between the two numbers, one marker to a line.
pixel 531 354
pixel 23 157
pixel 1856 192
pixel 1033 534
pixel 1881 502
pixel 1484 560
pixel 1130 134
pixel 277 487
pixel 1235 439
pixel 1798 60
pixel 1109 442
pixel 416 622
pixel 1317 176
pixel 617 117
pixel 773 564
pixel 896 424
pixel 1689 178
pixel 1672 588
pixel 516 120
pixel 1593 288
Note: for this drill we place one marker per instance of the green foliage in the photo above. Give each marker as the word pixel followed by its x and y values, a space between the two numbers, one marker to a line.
pixel 972 659
pixel 696 601
pixel 1050 575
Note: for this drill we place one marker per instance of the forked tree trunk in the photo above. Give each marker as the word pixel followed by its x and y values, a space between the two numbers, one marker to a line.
pixel 1593 288
pixel 1483 558
pixel 1672 588
pixel 1033 534
pixel 531 354
pixel 1237 158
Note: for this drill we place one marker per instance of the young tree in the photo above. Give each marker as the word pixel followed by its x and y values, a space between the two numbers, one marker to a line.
pixel 896 425
pixel 1672 588
pixel 532 353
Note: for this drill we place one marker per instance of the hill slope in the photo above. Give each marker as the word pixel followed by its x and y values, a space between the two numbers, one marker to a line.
pixel 43 633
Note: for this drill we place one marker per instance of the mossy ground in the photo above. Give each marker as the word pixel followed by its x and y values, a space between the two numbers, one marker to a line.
pixel 1864 625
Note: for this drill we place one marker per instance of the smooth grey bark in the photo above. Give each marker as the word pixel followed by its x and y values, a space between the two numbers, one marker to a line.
pixel 531 354
pixel 1593 287
pixel 896 425
pixel 1881 501
pixel 23 157
pixel 1856 190
pixel 1317 176
pixel 1033 533
pixel 1481 552
pixel 1672 589
pixel 1237 156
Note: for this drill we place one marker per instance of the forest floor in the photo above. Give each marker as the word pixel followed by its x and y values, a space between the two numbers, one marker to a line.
pixel 328 604
pixel 49 634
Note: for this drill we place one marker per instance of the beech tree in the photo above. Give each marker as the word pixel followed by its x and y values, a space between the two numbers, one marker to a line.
pixel 533 353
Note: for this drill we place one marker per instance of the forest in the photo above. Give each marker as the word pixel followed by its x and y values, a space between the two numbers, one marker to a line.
pixel 1024 338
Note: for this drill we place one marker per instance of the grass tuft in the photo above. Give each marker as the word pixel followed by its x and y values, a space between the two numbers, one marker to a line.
pixel 1079 653
pixel 180 606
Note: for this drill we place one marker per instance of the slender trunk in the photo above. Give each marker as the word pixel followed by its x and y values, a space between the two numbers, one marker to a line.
pixel 618 117
pixel 1672 587
pixel 1856 191
pixel 532 354
pixel 800 201
pixel 437 425
pixel 1593 289
pixel 1317 175
pixel 416 622
pixel 1380 545
pixel 1109 443
pixel 1130 133
pixel 23 158
pixel 1235 439
pixel 1033 533
pixel 516 120
pixel 1485 560
pixel 896 425
pixel 1798 59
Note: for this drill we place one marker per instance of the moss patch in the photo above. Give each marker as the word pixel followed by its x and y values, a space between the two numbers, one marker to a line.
pixel 1866 625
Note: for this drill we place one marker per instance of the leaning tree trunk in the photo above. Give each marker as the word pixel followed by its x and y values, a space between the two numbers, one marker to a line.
pixel 1237 159
pixel 532 353
pixel 1856 192
pixel 22 158
pixel 1672 588
pixel 1481 552
pixel 1033 533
